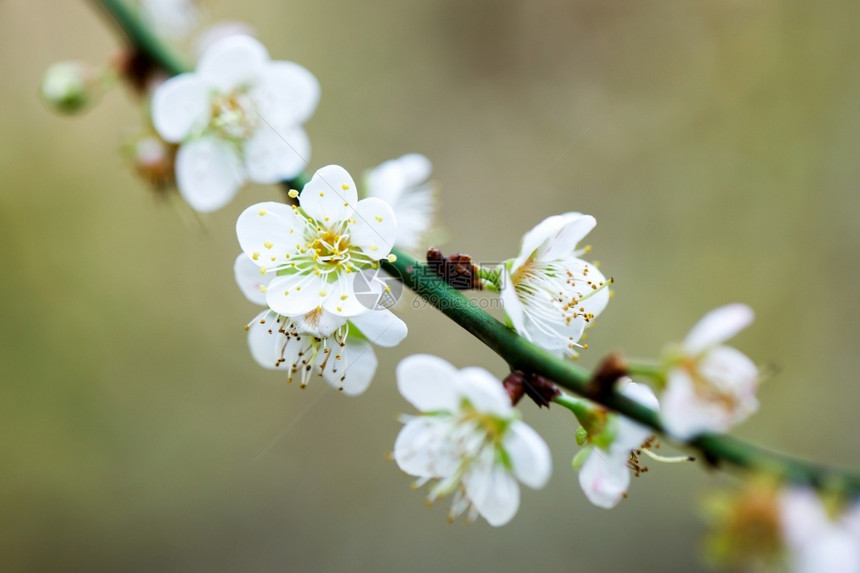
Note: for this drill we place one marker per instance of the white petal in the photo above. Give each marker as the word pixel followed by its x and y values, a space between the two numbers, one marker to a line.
pixel 375 228
pixel 484 391
pixel 802 515
pixel 630 435
pixel 180 106
pixel 546 231
pixel 318 323
pixel 529 454
pixel 267 230
pixel 330 196
pixel 341 297
pixel 272 154
pixel 268 345
pixel 833 552
pixel 234 62
pixel 423 447
pixel 494 492
pixel 684 414
pixel 381 327
pixel 604 478
pixel 718 326
pixel 596 300
pixel 287 94
pixel 208 173
pixel 730 371
pixel 252 284
pixel 296 295
pixel 564 242
pixel 428 383
pixel 355 369
pixel 514 310
pixel 390 180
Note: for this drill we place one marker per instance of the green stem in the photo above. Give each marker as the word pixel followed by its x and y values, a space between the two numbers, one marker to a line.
pixel 516 350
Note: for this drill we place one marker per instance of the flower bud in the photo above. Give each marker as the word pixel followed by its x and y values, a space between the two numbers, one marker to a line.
pixel 70 87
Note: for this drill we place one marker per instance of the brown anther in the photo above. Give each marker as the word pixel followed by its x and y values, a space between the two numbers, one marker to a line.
pixel 608 372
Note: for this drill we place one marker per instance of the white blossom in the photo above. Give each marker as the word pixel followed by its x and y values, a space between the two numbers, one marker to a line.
pixel 710 387
pixel 402 183
pixel 605 472
pixel 316 248
pixel 238 118
pixel 318 342
pixel 469 438
pixel 818 542
pixel 172 19
pixel 550 294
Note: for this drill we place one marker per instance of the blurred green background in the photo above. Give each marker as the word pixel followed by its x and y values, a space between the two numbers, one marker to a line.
pixel 716 142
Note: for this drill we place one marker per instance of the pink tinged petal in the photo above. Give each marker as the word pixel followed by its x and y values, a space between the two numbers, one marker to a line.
pixel 268 230
pixel 685 414
pixel 330 196
pixel 354 371
pixel 234 62
pixel 494 493
pixel 208 173
pixel 717 326
pixel 484 391
pixel 252 284
pixel 381 327
pixel 287 94
pixel 564 242
pixel 180 106
pixel 268 345
pixel 374 227
pixel 529 455
pixel 605 478
pixel 423 448
pixel 802 515
pixel 272 154
pixel 428 383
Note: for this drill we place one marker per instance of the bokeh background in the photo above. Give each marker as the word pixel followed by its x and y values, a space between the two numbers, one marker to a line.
pixel 716 142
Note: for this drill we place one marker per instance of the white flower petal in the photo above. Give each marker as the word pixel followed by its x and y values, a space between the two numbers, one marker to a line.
pixel 564 242
pixel 252 284
pixel 494 493
pixel 402 184
pixel 208 173
pixel 605 478
pixel 529 455
pixel 630 435
pixel 718 326
pixel 318 323
pixel 484 391
pixel 802 515
pixel 428 383
pixel 423 449
pixel 296 295
pixel 597 293
pixel 381 327
pixel 355 369
pixel 267 230
pixel 546 231
pixel 340 297
pixel 268 345
pixel 287 94
pixel 273 155
pixel 513 308
pixel 374 229
pixel 835 551
pixel 234 62
pixel 730 371
pixel 179 106
pixel 684 414
pixel 330 196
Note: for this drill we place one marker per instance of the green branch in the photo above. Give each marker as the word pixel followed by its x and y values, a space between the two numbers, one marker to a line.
pixel 519 353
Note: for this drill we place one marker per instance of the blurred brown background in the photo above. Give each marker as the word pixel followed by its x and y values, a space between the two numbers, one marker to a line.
pixel 716 142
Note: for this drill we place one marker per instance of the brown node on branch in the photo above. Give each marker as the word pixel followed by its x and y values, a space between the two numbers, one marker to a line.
pixel 139 70
pixel 607 373
pixel 541 390
pixel 457 270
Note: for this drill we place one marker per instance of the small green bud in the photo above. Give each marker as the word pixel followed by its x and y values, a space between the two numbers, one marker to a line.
pixel 70 87
pixel 581 435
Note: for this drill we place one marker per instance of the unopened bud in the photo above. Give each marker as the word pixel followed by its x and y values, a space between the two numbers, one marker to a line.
pixel 153 159
pixel 70 87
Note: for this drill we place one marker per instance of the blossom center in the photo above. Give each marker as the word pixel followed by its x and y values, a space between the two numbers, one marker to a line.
pixel 233 115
